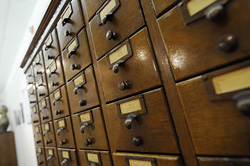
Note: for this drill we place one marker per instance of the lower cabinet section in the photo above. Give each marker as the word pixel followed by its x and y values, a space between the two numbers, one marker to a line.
pixel 222 161
pixel 40 153
pixel 67 157
pixel 133 159
pixel 52 157
pixel 90 157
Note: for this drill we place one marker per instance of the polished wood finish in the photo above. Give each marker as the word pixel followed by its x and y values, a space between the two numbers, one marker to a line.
pixel 53 160
pixel 95 131
pixel 139 70
pixel 92 6
pixel 104 156
pixel 161 5
pixel 41 157
pixel 38 138
pixel 45 111
pixel 73 157
pixel 41 86
pixel 87 93
pixel 223 161
pixel 35 116
pixel 126 20
pixel 80 57
pixel 49 135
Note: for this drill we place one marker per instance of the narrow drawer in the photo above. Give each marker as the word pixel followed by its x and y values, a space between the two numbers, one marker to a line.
pixel 59 103
pixel 49 134
pixel 41 158
pixel 67 157
pixel 216 107
pixel 35 116
pixel 204 44
pixel 223 161
pixel 142 123
pixel 32 93
pixel 37 131
pixel 70 23
pixel 125 70
pixel 64 133
pixel 162 5
pixel 82 91
pixel 92 6
pixel 52 157
pixel 90 157
pixel 50 48
pixel 114 22
pixel 41 86
pixel 38 64
pixel 45 111
pixel 76 56
pixel 89 130
pixel 30 78
pixel 55 74
pixel 133 159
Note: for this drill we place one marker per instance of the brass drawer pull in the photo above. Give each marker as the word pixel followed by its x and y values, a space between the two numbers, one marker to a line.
pixel 129 120
pixel 243 102
pixel 58 112
pixel 122 85
pixel 45 132
pixel 59 130
pixel 74 67
pixel 63 142
pixel 50 57
pixel 64 162
pixel 110 35
pixel 228 43
pixel 70 54
pixel 83 127
pixel 67 33
pixel 76 88
pixel 137 141
pixel 54 84
pixel 48 142
pixel 88 142
pixel 54 101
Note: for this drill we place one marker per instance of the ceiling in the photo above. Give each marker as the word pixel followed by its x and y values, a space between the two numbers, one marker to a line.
pixel 15 16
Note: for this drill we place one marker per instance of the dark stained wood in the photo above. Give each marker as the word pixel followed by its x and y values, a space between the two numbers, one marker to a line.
pixel 73 158
pixel 104 157
pixel 170 88
pixel 53 51
pixel 92 6
pixel 81 57
pixel 49 136
pixel 162 5
pixel 35 116
pixel 223 161
pixel 60 105
pixel 45 112
pixel 42 89
pixel 41 157
pixel 140 70
pixel 88 92
pixel 74 24
pixel 217 128
pixel 193 49
pixel 65 134
pixel 154 127
pixel 126 20
pixel 53 161
pixel 161 160
pixel 94 131
pixel 57 77
pixel 38 138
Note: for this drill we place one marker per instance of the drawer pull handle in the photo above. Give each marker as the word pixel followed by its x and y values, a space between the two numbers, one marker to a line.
pixel 64 162
pixel 76 88
pixel 228 43
pixel 48 142
pixel 41 94
pixel 39 141
pixel 74 67
pixel 83 127
pixel 110 35
pixel 82 103
pixel 45 117
pixel 243 102
pixel 59 130
pixel 54 84
pixel 45 132
pixel 137 141
pixel 38 154
pixel 58 112
pixel 39 72
pixel 50 57
pixel 214 11
pixel 63 142
pixel 54 101
pixel 40 163
pixel 88 142
pixel 53 72
pixel 69 54
pixel 129 120
pixel 50 157
pixel 35 121
pixel 106 18
pixel 65 21
pixel 122 85
pixel 67 33
pixel 30 82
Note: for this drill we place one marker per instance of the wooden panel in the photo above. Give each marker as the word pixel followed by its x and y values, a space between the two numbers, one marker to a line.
pixel 35 115
pixel 45 111
pixel 49 134
pixel 41 157
pixel 92 6
pixel 38 138
pixel 71 161
pixel 161 5
pixel 102 156
pixel 52 157
pixel 216 161
pixel 41 86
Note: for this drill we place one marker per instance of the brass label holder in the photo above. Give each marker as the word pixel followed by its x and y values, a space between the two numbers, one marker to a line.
pixel 140 161
pixel 66 14
pixel 93 157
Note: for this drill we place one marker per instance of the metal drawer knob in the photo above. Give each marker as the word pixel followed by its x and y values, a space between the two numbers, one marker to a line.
pixel 50 157
pixel 88 142
pixel 54 84
pixel 110 35
pixel 50 57
pixel 122 85
pixel 45 117
pixel 63 142
pixel 74 67
pixel 243 102
pixel 129 120
pixel 106 18
pixel 45 132
pixel 67 33
pixel 39 141
pixel 70 54
pixel 137 141
pixel 214 11
pixel 48 142
pixel 35 121
pixel 40 163
pixel 39 72
pixel 59 130
pixel 58 112
pixel 41 94
pixel 228 43
pixel 82 103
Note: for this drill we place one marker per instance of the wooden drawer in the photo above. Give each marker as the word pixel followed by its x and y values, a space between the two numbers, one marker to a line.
pixel 50 48
pixel 219 161
pixel 76 56
pixel 59 103
pixel 35 116
pixel 41 86
pixel 70 23
pixel 125 70
pixel 90 157
pixel 38 64
pixel 215 105
pixel 52 157
pixel 67 157
pixel 133 159
pixel 55 74
pixel 49 134
pixel 124 21
pixel 92 6
pixel 206 44
pixel 32 93
pixel 136 127
pixel 30 75
pixel 45 111
pixel 37 131
pixel 64 133
pixel 41 158
pixel 82 91
pixel 89 130
pixel 162 5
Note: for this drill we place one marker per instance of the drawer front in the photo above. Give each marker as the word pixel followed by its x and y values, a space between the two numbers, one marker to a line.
pixel 120 25
pixel 30 75
pixel 70 23
pixel 215 106
pixel 64 133
pixel 67 157
pixel 92 6
pixel 45 111
pixel 50 48
pixel 52 157
pixel 219 161
pixel 133 159
pixel 55 75
pixel 76 56
pixel 136 126
pixel 82 91
pixel 59 103
pixel 161 5
pixel 124 72
pixel 90 157
pixel 49 135
pixel 38 63
pixel 40 156
pixel 32 93
pixel 37 131
pixel 205 44
pixel 89 130
pixel 41 86
pixel 35 116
